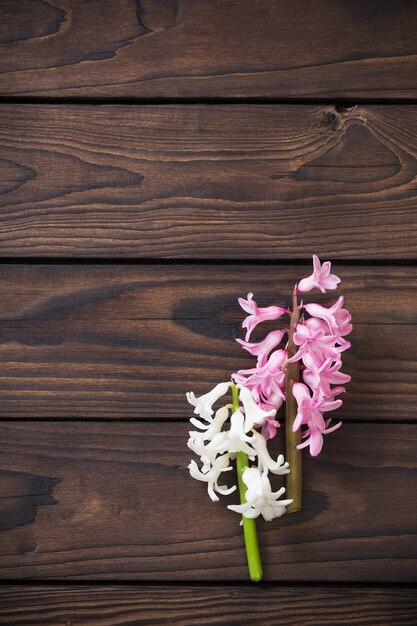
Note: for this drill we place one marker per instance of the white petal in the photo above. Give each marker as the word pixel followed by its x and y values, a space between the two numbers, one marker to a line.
pixel 239 508
pixel 251 513
pixel 203 404
pixel 264 460
pixel 225 491
pixel 253 413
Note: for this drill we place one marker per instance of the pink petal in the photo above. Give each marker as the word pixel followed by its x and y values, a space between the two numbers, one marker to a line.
pixel 333 428
pixel 247 305
pixel 316 264
pixel 300 392
pixel 263 348
pixel 316 443
pixel 306 284
pixel 330 282
pixel 331 406
pixel 325 269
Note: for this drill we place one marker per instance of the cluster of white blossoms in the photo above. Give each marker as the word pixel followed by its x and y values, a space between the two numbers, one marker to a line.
pixel 225 433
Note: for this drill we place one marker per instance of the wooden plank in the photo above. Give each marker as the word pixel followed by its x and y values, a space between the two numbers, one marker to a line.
pixel 223 605
pixel 114 501
pixel 182 48
pixel 232 181
pixel 127 341
pixel 375 294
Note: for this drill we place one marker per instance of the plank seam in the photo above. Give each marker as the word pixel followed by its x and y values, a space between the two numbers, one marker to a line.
pixel 166 101
pixel 22 582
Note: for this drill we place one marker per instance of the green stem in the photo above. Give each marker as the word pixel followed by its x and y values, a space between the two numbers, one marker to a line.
pixel 249 525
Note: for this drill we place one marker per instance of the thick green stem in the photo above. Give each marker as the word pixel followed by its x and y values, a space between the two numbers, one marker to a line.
pixel 249 525
pixel 293 456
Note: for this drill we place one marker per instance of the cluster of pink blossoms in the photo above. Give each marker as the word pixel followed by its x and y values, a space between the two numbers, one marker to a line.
pixel 319 337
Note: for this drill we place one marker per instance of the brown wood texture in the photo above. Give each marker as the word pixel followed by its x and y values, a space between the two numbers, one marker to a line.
pixel 115 501
pixel 163 139
pixel 127 341
pixel 182 48
pixel 231 181
pixel 232 605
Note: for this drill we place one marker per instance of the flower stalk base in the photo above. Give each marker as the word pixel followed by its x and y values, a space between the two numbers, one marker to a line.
pixel 294 483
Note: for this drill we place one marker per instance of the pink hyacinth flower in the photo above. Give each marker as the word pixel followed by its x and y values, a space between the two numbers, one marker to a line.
pixel 266 382
pixel 313 437
pixel 310 413
pixel 316 344
pixel 258 314
pixel 265 347
pixel 336 318
pixel 320 278
pixel 337 391
pixel 314 323
pixel 325 375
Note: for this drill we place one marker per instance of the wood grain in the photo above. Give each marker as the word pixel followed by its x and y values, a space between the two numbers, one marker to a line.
pixel 182 48
pixel 216 182
pixel 112 501
pixel 221 605
pixel 127 341
pixel 115 501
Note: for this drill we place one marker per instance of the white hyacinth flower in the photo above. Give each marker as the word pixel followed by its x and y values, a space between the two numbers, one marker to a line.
pixel 196 443
pixel 221 464
pixel 254 415
pixel 215 424
pixel 207 451
pixel 203 405
pixel 217 446
pixel 260 499
pixel 235 439
pixel 265 462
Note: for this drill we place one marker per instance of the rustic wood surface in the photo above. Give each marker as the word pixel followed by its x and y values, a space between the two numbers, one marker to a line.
pixel 127 341
pixel 158 159
pixel 236 182
pixel 115 501
pixel 184 605
pixel 182 48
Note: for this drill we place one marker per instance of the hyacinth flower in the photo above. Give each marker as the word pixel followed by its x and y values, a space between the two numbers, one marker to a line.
pixel 258 314
pixel 313 353
pixel 222 439
pixel 260 499
pixel 304 374
pixel 320 278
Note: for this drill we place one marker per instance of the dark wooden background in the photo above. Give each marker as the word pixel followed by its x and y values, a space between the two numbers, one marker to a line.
pixel 159 158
